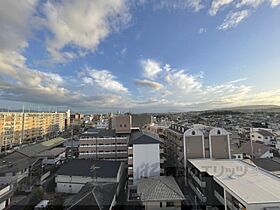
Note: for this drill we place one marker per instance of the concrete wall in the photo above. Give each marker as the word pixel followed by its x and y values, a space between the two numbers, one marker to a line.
pixel 146 160
pixel 122 123
pixel 194 146
pixel 219 146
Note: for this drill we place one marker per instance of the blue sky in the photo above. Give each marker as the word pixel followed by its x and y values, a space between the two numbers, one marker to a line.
pixel 145 55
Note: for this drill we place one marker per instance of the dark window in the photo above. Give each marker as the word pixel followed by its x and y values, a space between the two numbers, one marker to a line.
pixel 218 132
pixel 160 204
pixel 169 204
pixel 193 133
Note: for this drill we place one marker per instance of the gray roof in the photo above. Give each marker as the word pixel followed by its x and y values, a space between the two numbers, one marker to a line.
pixel 84 167
pixel 33 150
pixel 15 162
pixel 52 153
pixel 259 149
pixel 161 188
pixel 94 196
pixel 265 133
pixel 267 164
pixel 144 137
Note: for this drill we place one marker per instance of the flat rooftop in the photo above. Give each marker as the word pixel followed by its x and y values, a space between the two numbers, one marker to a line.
pixel 250 183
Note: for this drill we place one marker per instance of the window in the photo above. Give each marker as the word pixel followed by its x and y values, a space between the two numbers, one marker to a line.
pixel 169 204
pixel 160 204
pixel 124 125
pixel 193 133
pixel 218 132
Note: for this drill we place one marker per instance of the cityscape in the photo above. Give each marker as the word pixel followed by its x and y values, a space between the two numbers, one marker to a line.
pixel 139 105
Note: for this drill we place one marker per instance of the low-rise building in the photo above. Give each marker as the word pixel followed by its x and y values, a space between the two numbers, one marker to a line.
pixel 74 174
pixel 97 196
pixel 264 136
pixel 159 193
pixel 253 149
pixel 6 193
pixel 55 156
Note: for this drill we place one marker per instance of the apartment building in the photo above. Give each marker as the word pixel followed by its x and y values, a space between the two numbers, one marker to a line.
pixel 145 156
pixel 232 185
pixel 127 123
pixel 103 144
pixel 20 127
pixel 207 142
pixel 175 149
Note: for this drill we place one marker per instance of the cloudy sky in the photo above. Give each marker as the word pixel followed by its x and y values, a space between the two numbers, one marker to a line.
pixel 139 55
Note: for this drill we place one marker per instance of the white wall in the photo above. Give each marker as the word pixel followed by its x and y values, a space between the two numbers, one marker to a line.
pixel 73 184
pixel 146 161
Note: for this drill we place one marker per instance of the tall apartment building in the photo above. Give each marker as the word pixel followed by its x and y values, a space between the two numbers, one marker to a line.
pixel 145 156
pixel 103 144
pixel 19 127
pixel 175 149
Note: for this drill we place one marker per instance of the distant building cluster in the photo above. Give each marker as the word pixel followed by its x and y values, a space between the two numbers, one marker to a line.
pixel 140 161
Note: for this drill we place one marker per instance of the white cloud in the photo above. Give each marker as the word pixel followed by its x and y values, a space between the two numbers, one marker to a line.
pixel 275 3
pixel 151 68
pixel 252 3
pixel 233 19
pixel 16 19
pixel 149 83
pixel 82 24
pixel 103 79
pixel 217 5
pixel 195 5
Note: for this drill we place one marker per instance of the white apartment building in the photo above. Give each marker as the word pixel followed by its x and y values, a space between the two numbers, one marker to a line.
pixel 144 156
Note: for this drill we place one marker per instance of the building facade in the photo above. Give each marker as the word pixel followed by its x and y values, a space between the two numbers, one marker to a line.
pixel 145 156
pixel 232 185
pixel 20 127
pixel 103 144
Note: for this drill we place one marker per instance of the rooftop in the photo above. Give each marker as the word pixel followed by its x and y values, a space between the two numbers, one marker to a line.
pixel 267 164
pixel 33 150
pixel 99 133
pixel 144 137
pixel 264 132
pixel 15 162
pixel 161 188
pixel 84 167
pixel 258 148
pixel 93 195
pixel 251 184
pixel 52 153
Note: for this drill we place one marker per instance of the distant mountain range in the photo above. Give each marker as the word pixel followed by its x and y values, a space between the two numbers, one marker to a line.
pixel 252 108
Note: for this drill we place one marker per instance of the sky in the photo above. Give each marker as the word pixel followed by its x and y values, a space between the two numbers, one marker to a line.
pixel 139 55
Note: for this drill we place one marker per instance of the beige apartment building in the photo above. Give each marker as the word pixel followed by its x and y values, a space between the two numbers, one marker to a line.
pixel 19 127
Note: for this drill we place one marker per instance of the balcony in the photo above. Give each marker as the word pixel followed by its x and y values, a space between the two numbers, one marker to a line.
pixel 196 179
pixel 199 194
